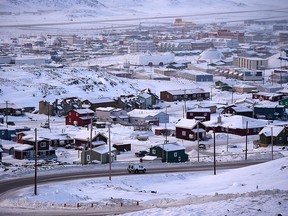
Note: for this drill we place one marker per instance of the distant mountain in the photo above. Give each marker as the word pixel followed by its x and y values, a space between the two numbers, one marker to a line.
pixel 135 7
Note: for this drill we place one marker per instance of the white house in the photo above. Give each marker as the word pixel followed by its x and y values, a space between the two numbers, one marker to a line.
pixel 150 58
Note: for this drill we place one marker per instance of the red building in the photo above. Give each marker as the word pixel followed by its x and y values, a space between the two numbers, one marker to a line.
pixel 79 117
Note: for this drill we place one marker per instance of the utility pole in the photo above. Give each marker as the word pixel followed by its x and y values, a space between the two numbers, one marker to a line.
pixel 6 113
pixel 214 151
pixel 35 156
pixel 198 139
pixel 246 150
pixel 110 168
pixel 184 114
pixel 272 141
pixel 91 128
pixel 227 137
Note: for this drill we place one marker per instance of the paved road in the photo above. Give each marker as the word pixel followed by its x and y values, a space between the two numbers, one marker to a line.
pixel 8 187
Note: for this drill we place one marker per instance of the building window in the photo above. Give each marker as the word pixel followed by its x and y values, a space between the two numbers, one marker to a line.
pixel 154 151
pixel 42 144
pixel 175 154
pixel 88 157
pixel 183 133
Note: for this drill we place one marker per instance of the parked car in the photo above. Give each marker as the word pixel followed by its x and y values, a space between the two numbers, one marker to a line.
pixel 141 153
pixel 136 168
pixel 202 146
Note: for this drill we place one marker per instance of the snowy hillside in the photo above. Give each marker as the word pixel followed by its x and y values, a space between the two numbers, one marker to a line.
pixel 27 86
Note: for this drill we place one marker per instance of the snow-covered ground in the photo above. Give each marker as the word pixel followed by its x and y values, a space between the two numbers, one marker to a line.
pixel 256 190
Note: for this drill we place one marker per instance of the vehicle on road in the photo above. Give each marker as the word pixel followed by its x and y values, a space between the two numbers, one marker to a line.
pixel 202 146
pixel 141 153
pixel 136 168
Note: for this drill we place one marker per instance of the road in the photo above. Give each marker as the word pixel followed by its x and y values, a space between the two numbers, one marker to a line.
pixel 10 187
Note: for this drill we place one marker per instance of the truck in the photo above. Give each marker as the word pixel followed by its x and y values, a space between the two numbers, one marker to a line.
pixel 136 168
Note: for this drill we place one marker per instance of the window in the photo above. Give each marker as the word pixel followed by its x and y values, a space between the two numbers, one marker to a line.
pixel 175 154
pixel 183 133
pixel 154 151
pixel 42 144
pixel 88 157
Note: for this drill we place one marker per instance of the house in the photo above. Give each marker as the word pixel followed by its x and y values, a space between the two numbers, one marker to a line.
pixel 270 112
pixel 27 149
pixel 267 87
pixel 145 100
pixel 8 108
pixel 267 96
pixel 190 129
pixel 59 140
pixel 98 102
pixel 46 108
pixel 10 132
pixel 139 116
pixel 169 152
pixel 279 76
pixel 100 154
pixel 185 94
pixel 279 134
pixel 111 114
pixel 83 137
pixel 80 117
pixel 238 110
pixel 59 107
pixel 199 114
pixel 207 105
pixel 244 88
pixel 236 124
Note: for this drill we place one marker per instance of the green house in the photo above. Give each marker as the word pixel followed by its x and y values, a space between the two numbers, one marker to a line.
pixel 279 134
pixel 169 152
pixel 284 102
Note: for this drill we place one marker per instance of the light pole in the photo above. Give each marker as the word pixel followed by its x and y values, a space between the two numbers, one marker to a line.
pixel 109 131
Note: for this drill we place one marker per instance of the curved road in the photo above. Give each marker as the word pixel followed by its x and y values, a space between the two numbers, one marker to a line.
pixel 11 186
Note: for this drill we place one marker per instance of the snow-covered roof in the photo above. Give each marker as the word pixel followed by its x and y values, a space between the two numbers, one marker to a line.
pixel 23 147
pixel 187 91
pixel 268 130
pixel 84 111
pixel 171 146
pixel 143 113
pixel 186 123
pixel 237 121
pixel 211 55
pixel 106 109
pixel 103 149
pixel 100 100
